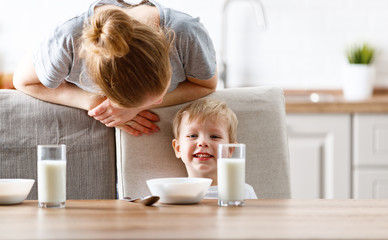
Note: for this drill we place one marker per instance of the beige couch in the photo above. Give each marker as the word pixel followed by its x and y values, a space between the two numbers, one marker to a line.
pixel 26 122
pixel 100 165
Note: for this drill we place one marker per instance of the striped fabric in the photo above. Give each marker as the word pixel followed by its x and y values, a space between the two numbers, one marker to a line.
pixel 26 122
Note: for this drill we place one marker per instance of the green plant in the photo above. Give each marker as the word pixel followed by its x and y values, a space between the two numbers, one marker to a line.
pixel 360 54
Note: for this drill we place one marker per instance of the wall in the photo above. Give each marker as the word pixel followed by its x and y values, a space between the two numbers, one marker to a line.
pixel 24 22
pixel 302 46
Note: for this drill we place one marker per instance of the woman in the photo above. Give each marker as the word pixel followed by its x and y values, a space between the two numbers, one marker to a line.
pixel 118 60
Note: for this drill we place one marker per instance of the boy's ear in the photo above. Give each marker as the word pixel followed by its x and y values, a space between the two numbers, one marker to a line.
pixel 177 149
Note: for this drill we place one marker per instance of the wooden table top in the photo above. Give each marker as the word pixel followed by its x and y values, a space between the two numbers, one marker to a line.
pixel 331 101
pixel 259 219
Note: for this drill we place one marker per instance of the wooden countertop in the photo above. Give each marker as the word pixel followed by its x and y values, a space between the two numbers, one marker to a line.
pixel 258 219
pixel 332 101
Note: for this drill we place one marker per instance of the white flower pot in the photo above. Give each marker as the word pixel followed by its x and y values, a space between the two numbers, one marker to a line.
pixel 358 81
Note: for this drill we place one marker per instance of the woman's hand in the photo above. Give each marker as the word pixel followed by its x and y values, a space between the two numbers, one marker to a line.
pixel 142 123
pixel 131 120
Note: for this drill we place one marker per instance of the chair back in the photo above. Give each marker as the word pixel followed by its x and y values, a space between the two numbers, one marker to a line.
pixel 262 127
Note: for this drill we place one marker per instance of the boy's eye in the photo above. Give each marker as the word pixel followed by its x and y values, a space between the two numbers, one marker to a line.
pixel 214 136
pixel 192 136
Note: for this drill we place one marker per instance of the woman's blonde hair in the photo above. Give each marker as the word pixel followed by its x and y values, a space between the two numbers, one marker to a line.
pixel 127 59
pixel 204 109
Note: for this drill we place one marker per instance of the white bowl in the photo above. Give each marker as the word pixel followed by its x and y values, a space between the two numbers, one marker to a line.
pixel 179 190
pixel 14 191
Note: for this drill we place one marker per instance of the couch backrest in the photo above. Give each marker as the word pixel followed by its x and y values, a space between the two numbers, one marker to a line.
pixel 26 122
pixel 262 127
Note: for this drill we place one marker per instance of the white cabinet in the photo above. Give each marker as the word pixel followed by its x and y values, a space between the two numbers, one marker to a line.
pixel 370 155
pixel 320 161
pixel 371 183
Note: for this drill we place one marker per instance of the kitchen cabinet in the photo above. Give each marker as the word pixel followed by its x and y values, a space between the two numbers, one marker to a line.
pixel 370 155
pixel 338 148
pixel 320 161
pixel 338 155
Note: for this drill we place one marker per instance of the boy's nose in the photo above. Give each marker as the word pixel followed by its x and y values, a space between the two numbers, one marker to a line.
pixel 203 144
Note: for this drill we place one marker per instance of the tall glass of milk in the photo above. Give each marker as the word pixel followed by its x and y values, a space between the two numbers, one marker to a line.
pixel 52 176
pixel 231 174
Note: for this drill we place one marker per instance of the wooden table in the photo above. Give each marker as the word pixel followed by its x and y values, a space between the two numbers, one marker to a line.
pixel 259 219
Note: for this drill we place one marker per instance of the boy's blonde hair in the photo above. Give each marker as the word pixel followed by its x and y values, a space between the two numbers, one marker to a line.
pixel 127 59
pixel 204 109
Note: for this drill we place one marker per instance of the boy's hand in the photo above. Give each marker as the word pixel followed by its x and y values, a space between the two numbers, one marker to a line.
pixel 131 120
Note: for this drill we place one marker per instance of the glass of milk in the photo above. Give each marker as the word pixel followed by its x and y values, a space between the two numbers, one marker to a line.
pixel 231 174
pixel 52 176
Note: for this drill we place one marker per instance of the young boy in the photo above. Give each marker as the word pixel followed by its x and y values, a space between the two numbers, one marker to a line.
pixel 198 129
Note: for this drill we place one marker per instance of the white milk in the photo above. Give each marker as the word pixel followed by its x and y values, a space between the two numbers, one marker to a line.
pixel 231 179
pixel 51 181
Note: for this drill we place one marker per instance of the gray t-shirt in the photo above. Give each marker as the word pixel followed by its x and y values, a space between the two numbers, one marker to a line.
pixel 57 57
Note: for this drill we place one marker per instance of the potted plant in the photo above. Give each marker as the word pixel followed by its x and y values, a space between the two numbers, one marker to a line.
pixel 359 73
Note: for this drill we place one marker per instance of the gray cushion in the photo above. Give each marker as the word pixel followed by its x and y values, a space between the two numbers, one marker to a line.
pixel 262 127
pixel 26 122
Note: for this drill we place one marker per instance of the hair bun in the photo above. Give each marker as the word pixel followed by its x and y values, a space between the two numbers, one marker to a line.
pixel 108 34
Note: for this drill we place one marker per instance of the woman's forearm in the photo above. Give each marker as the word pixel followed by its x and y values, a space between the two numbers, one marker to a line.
pixel 26 80
pixel 189 90
pixel 185 92
pixel 66 94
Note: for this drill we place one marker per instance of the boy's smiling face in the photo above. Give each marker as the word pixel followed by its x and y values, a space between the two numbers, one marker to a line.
pixel 197 146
